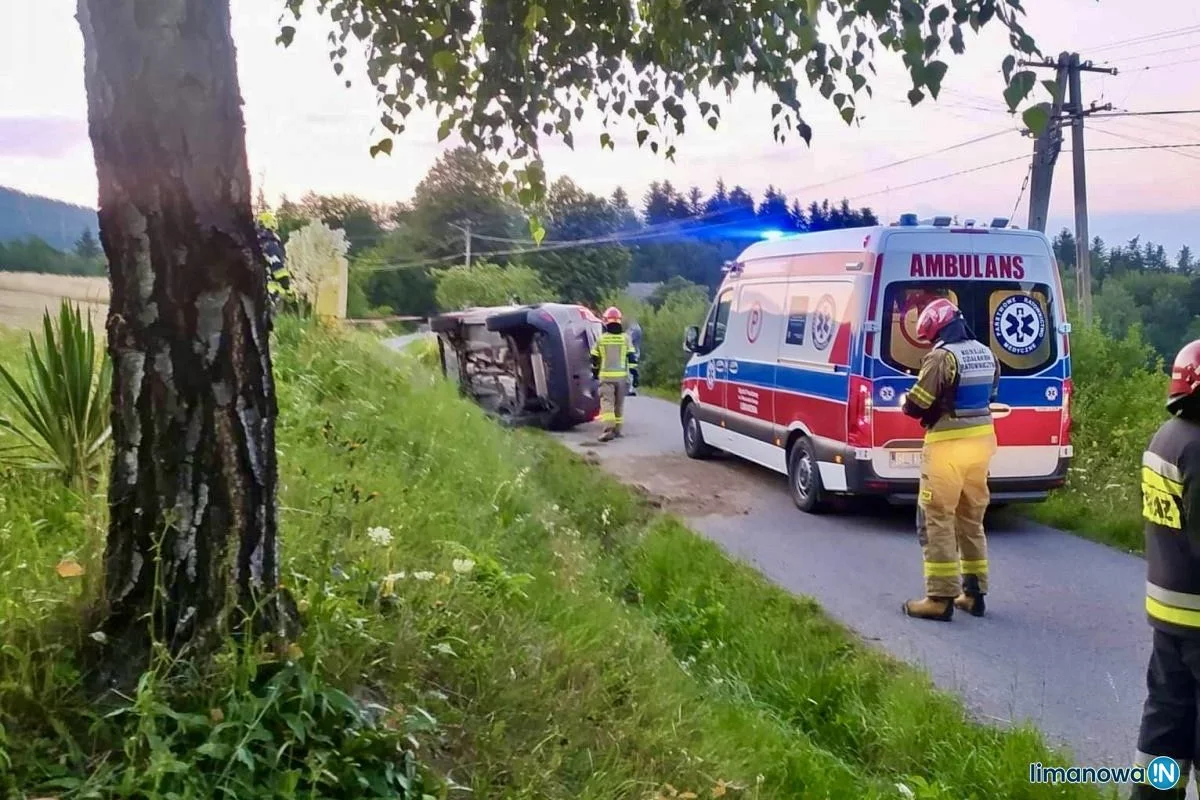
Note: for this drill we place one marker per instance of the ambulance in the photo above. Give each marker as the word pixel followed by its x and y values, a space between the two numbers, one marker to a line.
pixel 810 345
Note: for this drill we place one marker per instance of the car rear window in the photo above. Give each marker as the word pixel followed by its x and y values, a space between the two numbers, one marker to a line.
pixel 1014 319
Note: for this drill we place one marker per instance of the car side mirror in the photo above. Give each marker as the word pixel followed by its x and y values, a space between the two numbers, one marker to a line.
pixel 690 337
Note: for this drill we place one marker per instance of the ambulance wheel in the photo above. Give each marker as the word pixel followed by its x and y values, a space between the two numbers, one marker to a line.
pixel 693 437
pixel 804 477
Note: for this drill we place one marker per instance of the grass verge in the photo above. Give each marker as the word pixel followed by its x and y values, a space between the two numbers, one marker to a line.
pixel 1120 392
pixel 524 626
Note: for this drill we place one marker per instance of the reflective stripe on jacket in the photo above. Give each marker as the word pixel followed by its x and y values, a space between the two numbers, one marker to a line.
pixel 1171 510
pixel 613 351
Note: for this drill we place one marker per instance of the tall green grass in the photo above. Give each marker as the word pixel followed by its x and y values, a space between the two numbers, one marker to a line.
pixel 1120 392
pixel 482 610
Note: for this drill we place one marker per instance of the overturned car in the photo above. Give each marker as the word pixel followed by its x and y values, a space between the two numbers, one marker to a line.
pixel 527 365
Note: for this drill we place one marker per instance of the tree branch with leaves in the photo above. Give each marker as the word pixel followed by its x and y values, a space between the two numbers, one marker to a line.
pixel 503 75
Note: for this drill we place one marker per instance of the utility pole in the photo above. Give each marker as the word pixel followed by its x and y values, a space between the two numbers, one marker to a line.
pixel 1046 148
pixel 1068 67
pixel 466 232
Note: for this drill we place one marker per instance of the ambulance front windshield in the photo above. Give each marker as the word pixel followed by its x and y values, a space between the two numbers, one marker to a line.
pixel 1015 319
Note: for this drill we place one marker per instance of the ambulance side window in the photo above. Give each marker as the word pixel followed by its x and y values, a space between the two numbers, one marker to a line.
pixel 715 333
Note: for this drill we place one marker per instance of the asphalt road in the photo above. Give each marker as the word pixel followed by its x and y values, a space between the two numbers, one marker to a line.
pixel 1065 642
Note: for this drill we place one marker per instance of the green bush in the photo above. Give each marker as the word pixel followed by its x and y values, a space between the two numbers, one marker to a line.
pixel 662 358
pixel 1120 389
pixel 484 284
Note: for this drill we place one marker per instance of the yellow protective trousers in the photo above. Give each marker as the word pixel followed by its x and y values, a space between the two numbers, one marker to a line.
pixel 953 499
pixel 612 404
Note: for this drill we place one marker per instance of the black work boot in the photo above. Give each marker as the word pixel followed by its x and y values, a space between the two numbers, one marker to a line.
pixel 971 599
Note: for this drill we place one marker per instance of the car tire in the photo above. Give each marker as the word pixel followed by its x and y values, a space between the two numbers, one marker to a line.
pixel 693 438
pixel 804 477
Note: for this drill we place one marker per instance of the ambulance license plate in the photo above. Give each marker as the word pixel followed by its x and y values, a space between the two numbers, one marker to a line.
pixel 905 459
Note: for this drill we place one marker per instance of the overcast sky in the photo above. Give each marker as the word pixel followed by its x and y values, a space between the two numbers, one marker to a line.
pixel 305 130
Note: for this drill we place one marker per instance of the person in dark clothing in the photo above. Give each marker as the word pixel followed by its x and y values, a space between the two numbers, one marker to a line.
pixel 1170 473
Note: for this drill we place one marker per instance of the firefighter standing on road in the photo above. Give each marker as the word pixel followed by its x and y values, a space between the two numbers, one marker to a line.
pixel 1171 509
pixel 612 356
pixel 952 398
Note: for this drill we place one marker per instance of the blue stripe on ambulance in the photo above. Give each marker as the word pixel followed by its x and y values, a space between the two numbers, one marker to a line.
pixel 781 377
pixel 1043 390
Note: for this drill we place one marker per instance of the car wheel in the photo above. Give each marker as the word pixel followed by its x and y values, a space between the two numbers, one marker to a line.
pixel 693 437
pixel 804 477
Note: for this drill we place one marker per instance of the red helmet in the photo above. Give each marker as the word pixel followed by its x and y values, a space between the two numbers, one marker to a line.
pixel 612 314
pixel 1185 373
pixel 935 316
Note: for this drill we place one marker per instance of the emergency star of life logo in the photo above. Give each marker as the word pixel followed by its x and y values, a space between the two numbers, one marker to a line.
pixel 823 322
pixel 887 394
pixel 1019 325
pixel 754 322
pixel 710 375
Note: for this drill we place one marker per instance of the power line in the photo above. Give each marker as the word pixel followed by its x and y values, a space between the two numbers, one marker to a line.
pixel 909 160
pixel 1147 142
pixel 673 225
pixel 1172 33
pixel 1146 113
pixel 1152 67
pixel 1122 59
pixel 680 229
pixel 1002 162
pixel 1020 194
pixel 678 225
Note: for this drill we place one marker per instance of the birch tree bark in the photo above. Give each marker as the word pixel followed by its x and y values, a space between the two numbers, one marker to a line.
pixel 192 542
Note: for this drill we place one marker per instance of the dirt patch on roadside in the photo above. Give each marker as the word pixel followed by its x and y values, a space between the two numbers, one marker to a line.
pixel 683 486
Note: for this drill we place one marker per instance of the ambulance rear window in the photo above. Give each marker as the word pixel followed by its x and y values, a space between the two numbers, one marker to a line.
pixel 1016 320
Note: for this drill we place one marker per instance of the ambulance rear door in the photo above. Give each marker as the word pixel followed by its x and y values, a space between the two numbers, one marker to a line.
pixel 1006 286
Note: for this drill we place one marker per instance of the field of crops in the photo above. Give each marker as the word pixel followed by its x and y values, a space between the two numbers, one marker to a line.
pixel 25 295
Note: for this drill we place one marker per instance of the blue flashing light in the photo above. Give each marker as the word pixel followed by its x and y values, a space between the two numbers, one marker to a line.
pixel 908 219
pixel 771 235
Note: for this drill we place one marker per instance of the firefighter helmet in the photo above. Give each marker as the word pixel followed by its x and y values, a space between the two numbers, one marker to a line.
pixel 268 221
pixel 935 316
pixel 612 314
pixel 1185 374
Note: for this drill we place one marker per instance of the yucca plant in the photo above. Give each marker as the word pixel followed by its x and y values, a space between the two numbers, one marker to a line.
pixel 60 417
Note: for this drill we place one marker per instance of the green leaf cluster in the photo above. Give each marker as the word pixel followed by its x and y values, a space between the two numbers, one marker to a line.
pixel 502 75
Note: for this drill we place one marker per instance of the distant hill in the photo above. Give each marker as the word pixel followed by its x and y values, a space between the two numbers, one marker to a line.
pixel 57 223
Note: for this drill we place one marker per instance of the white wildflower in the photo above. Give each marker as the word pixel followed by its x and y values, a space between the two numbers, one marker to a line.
pixel 380 536
pixel 423 575
pixel 463 565
pixel 606 516
pixel 98 636
pixel 904 790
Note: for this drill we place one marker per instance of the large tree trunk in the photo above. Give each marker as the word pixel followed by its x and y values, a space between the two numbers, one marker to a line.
pixel 192 540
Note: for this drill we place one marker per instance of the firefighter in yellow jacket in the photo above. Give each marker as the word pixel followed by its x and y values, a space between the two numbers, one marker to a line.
pixel 952 397
pixel 1170 474
pixel 612 356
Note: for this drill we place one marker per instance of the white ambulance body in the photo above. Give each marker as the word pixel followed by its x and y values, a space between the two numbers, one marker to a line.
pixel 810 345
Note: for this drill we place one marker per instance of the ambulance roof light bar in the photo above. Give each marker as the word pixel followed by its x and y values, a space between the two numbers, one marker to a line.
pixel 938 222
pixel 999 222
